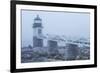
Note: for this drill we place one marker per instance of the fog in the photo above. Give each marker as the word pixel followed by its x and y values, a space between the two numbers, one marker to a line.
pixel 56 23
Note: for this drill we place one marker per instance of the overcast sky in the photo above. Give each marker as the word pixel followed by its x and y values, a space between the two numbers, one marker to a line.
pixel 57 23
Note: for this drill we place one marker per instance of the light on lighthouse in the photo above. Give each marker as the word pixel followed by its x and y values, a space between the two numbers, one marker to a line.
pixel 37 26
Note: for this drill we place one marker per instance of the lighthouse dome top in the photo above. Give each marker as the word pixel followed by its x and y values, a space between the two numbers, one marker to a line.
pixel 37 18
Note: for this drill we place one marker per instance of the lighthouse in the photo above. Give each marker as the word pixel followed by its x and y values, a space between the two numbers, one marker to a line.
pixel 37 32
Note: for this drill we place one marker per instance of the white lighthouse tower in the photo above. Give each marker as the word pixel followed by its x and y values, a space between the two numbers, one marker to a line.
pixel 37 32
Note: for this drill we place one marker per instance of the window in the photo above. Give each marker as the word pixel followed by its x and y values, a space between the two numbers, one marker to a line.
pixel 39 31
